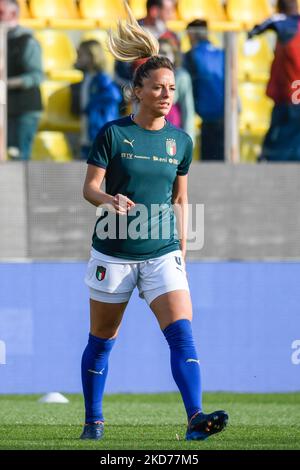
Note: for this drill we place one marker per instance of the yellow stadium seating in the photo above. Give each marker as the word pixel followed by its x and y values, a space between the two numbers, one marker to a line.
pixel 249 12
pixel 101 36
pixel 250 147
pixel 106 12
pixel 58 110
pixel 256 108
pixel 59 55
pixel 51 146
pixel 197 143
pixel 254 119
pixel 54 9
pixel 254 57
pixel 24 10
pixel 26 18
pixel 60 14
pixel 190 10
pixel 48 87
pixel 139 8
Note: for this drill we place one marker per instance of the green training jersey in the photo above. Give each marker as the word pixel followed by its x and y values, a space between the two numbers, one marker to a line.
pixel 142 165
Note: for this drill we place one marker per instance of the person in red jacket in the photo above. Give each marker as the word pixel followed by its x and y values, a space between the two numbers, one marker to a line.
pixel 282 141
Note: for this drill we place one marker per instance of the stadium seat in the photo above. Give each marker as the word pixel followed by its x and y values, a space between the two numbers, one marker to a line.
pixel 58 109
pixel 254 119
pixel 197 142
pixel 106 12
pixel 24 10
pixel 48 87
pixel 185 43
pixel 51 146
pixel 59 56
pixel 256 108
pixel 190 10
pixel 249 12
pixel 250 147
pixel 254 58
pixel 139 8
pixel 26 17
pixel 60 14
pixel 101 36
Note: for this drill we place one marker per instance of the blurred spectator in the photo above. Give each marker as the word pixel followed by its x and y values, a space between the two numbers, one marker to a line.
pixel 282 141
pixel 206 65
pixel 158 13
pixel 24 72
pixel 182 113
pixel 97 97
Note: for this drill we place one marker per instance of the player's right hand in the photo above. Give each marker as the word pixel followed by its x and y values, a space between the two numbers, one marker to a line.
pixel 122 204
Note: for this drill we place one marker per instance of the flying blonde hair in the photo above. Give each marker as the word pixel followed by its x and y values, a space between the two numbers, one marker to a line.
pixel 131 42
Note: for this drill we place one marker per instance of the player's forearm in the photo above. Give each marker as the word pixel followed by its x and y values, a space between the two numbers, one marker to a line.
pixel 183 247
pixel 15 83
pixel 181 212
pixel 96 196
pixel 24 81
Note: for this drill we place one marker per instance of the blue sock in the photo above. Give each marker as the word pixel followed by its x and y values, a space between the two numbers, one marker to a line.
pixel 94 368
pixel 184 364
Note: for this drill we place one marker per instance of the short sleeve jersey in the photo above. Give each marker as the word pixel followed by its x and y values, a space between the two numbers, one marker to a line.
pixel 142 165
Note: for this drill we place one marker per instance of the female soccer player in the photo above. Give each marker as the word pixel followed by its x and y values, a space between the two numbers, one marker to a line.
pixel 145 161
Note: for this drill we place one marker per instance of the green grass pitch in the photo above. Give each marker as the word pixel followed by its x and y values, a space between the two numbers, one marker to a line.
pixel 151 422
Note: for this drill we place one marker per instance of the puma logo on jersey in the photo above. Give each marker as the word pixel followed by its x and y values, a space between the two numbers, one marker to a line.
pixel 128 142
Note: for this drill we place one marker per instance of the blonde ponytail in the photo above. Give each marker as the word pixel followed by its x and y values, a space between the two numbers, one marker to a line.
pixel 131 42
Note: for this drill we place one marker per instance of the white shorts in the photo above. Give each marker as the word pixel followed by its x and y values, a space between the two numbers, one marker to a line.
pixel 113 279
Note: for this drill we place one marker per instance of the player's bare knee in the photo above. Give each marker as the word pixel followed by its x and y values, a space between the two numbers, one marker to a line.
pixel 104 333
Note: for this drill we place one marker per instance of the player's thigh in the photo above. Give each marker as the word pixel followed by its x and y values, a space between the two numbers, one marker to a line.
pixel 106 318
pixel 172 306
